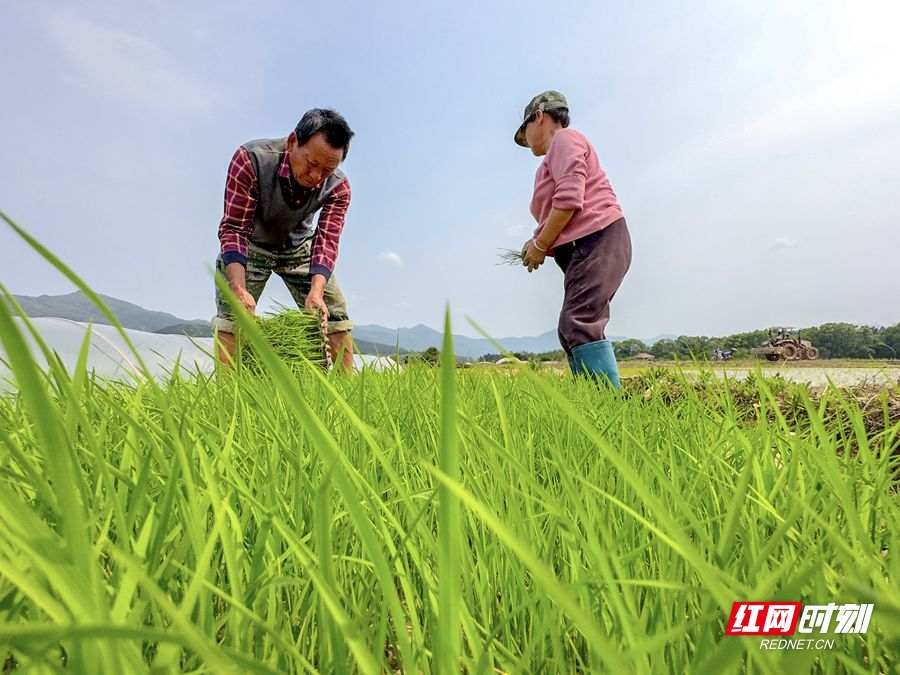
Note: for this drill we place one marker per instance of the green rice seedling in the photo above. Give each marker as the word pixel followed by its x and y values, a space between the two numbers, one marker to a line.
pixel 511 256
pixel 296 336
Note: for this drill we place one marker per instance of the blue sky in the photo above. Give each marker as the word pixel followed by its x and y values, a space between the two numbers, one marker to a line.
pixel 754 146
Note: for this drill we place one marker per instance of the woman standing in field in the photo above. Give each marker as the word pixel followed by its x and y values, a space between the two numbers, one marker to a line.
pixel 580 223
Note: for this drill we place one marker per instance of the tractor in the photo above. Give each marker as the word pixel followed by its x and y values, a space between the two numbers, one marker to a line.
pixel 784 344
pixel 719 354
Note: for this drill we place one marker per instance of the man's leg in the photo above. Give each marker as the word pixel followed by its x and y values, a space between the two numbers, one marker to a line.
pixel 295 273
pixel 339 325
pixel 259 269
pixel 226 345
pixel 341 346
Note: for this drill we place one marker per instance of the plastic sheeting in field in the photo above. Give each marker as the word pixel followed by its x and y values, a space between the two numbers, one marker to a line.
pixel 110 357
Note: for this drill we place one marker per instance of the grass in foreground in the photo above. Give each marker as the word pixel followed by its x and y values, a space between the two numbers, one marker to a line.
pixel 433 519
pixel 293 526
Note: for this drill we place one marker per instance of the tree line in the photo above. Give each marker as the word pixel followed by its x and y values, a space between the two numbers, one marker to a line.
pixel 833 340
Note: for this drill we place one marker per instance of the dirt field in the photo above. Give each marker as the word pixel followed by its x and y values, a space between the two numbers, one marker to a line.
pixel 822 376
pixel 841 373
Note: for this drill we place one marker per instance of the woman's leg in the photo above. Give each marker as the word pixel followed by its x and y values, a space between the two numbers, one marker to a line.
pixel 593 276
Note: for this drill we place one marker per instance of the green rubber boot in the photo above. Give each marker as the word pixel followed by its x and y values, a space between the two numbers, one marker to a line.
pixel 598 360
pixel 574 366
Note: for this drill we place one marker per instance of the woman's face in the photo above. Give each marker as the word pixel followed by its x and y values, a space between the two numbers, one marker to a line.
pixel 537 134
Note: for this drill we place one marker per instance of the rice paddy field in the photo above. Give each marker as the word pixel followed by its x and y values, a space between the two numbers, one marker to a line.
pixel 280 519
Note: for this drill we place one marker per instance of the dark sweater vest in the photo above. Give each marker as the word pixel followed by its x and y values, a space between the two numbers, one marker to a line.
pixel 277 224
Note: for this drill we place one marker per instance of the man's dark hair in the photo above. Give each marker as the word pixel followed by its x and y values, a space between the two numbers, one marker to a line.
pixel 332 124
pixel 559 115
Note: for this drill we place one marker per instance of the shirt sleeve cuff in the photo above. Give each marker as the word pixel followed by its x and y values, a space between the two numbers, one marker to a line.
pixel 320 269
pixel 233 256
pixel 569 193
pixel 567 204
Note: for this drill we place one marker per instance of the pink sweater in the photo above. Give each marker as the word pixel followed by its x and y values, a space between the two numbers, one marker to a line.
pixel 570 177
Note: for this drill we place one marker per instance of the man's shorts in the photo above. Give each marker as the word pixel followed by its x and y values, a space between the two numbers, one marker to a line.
pixel 293 267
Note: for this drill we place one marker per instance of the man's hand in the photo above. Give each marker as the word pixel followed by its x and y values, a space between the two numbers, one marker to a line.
pixel 243 295
pixel 314 299
pixel 237 278
pixel 534 257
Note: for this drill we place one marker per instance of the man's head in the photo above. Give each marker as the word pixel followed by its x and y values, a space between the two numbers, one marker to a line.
pixel 317 145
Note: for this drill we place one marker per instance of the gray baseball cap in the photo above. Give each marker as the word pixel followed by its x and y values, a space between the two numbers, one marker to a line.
pixel 548 100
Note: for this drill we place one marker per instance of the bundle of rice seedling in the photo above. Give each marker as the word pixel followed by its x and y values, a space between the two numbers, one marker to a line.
pixel 294 335
pixel 511 257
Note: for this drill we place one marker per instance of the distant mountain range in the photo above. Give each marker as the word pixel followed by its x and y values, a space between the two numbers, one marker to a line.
pixel 78 307
pixel 421 337
pixel 370 338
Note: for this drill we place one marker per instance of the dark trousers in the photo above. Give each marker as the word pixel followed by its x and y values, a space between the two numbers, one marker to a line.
pixel 594 267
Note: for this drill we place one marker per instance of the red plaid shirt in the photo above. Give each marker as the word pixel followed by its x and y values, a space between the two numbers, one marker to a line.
pixel 241 195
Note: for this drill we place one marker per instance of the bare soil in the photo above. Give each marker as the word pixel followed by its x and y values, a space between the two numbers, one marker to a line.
pixel 819 374
pixel 824 376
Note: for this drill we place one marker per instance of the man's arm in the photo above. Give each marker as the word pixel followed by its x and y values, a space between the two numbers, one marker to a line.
pixel 241 195
pixel 325 243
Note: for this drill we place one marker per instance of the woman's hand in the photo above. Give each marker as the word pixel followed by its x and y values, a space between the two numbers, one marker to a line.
pixel 535 249
pixel 533 256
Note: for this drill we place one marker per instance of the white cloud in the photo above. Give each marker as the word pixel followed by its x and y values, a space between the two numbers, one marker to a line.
pixel 782 243
pixel 855 100
pixel 516 230
pixel 390 258
pixel 109 60
pixel 853 87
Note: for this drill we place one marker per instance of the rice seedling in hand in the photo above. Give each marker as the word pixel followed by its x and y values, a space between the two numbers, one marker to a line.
pixel 296 336
pixel 511 257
